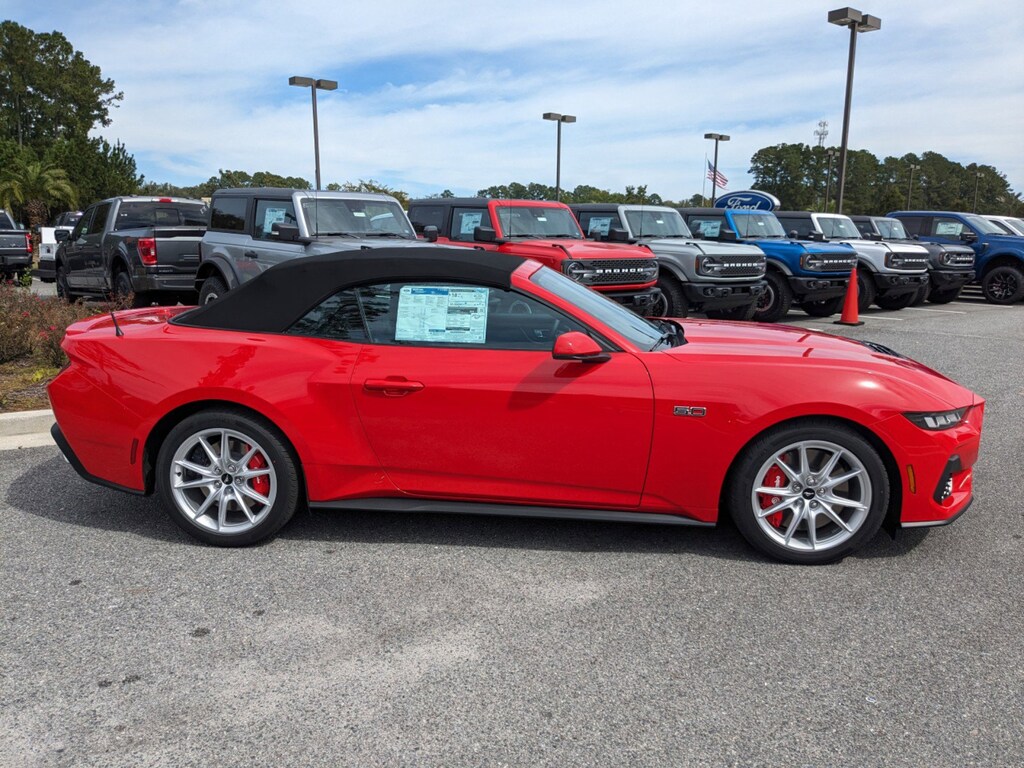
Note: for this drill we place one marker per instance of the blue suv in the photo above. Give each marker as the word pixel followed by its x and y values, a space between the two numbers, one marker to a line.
pixel 814 275
pixel 999 258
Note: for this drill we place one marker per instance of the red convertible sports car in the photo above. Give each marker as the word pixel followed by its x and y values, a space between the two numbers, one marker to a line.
pixel 448 380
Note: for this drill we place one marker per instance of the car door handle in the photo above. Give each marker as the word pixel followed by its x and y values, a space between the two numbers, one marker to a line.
pixel 250 254
pixel 392 387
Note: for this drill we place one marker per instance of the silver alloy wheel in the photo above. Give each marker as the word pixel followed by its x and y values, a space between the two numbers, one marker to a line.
pixel 811 496
pixel 223 480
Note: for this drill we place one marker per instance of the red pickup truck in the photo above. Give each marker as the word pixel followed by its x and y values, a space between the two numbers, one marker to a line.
pixel 547 232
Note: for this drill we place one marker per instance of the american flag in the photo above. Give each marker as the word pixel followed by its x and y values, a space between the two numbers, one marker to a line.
pixel 716 176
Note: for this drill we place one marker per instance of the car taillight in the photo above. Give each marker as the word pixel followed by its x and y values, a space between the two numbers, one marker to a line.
pixel 28 243
pixel 147 250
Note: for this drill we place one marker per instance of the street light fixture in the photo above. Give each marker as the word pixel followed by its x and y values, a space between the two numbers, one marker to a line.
pixel 714 176
pixel 910 188
pixel 977 180
pixel 857 22
pixel 559 119
pixel 314 85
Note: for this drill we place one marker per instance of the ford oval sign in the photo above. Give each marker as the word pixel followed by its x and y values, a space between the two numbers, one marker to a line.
pixel 749 200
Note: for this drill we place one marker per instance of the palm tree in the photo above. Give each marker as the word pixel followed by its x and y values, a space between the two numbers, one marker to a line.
pixel 36 186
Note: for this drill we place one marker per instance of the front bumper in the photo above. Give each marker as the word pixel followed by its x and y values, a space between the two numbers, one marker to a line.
pixel 895 284
pixel 639 300
pixel 817 288
pixel 704 296
pixel 950 279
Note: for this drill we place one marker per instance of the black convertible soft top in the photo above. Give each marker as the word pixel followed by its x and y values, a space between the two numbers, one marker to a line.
pixel 273 301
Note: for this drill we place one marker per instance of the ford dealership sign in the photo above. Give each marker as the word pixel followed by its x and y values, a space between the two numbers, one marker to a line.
pixel 748 199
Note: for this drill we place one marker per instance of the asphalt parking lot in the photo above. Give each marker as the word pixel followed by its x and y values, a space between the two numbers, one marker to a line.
pixel 387 639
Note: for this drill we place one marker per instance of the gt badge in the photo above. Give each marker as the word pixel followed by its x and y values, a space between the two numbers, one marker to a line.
pixel 690 410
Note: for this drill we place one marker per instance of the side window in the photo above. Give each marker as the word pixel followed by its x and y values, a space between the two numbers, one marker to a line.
pixel 228 214
pixel 465 220
pixel 709 226
pixel 599 223
pixel 802 227
pixel 943 226
pixel 427 216
pixel 913 224
pixel 865 227
pixel 338 318
pixel 271 212
pixel 99 220
pixel 83 225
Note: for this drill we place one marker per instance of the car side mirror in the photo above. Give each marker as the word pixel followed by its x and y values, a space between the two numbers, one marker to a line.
pixel 616 235
pixel 727 236
pixel 697 234
pixel 287 233
pixel 485 235
pixel 430 234
pixel 967 236
pixel 61 235
pixel 817 237
pixel 872 236
pixel 580 347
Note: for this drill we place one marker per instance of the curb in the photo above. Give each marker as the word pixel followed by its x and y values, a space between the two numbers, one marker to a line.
pixel 26 423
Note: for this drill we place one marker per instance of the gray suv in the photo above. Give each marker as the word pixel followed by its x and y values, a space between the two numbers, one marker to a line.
pixel 253 229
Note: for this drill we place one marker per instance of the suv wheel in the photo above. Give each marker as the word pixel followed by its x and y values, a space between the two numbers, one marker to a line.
pixel 1003 285
pixel 745 312
pixel 943 297
pixel 900 301
pixel 776 300
pixel 63 289
pixel 213 288
pixel 123 290
pixel 865 290
pixel 822 307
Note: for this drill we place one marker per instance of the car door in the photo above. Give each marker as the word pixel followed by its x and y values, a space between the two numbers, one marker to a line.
pixel 73 253
pixel 92 248
pixel 460 396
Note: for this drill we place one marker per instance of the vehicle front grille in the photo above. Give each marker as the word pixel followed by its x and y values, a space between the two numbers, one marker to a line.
pixel 962 260
pixel 742 266
pixel 617 271
pixel 912 262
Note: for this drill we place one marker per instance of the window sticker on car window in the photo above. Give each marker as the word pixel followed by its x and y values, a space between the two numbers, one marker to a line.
pixel 470 221
pixel 447 314
pixel 273 216
pixel 600 225
pixel 710 228
pixel 948 228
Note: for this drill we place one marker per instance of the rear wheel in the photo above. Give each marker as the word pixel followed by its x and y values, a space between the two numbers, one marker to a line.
pixel 124 290
pixel 213 288
pixel 822 307
pixel 745 312
pixel 63 289
pixel 809 493
pixel 1003 285
pixel 865 290
pixel 227 478
pixel 900 301
pixel 776 300
pixel 672 302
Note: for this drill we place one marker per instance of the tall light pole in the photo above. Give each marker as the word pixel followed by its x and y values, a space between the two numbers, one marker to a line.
pixel 857 22
pixel 714 176
pixel 977 180
pixel 559 119
pixel 910 188
pixel 314 85
pixel 831 153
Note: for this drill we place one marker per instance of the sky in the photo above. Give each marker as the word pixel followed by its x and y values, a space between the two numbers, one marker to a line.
pixel 449 95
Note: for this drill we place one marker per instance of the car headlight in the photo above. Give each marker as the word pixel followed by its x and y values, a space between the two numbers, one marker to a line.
pixel 936 420
pixel 894 261
pixel 650 272
pixel 577 271
pixel 813 262
pixel 709 265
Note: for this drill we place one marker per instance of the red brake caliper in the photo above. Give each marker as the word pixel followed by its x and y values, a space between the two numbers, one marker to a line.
pixel 774 478
pixel 261 483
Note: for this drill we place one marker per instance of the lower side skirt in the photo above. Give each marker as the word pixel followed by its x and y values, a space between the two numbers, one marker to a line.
pixel 505 510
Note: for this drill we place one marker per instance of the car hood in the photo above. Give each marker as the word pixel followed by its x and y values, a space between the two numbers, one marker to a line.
pixel 576 249
pixel 705 247
pixel 328 244
pixel 782 344
pixel 1012 241
pixel 781 245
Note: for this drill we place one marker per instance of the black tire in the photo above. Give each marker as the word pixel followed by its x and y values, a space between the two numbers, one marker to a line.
pixel 921 295
pixel 1003 285
pixel 213 288
pixel 774 303
pixel 672 302
pixel 63 289
pixel 247 430
pixel 865 290
pixel 745 312
pixel 124 289
pixel 944 297
pixel 900 301
pixel 758 456
pixel 822 307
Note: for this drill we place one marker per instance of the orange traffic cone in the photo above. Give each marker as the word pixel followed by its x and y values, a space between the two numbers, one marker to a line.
pixel 850 309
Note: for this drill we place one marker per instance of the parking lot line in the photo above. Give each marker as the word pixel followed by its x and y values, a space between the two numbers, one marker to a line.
pixel 941 311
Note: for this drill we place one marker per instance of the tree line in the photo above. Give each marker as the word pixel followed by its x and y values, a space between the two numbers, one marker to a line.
pixel 52 98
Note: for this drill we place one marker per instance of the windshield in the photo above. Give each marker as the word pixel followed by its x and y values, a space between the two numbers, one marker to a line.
pixel 146 213
pixel 757 225
pixel 983 225
pixel 1017 225
pixel 891 229
pixel 537 221
pixel 365 218
pixel 639 331
pixel 838 227
pixel 645 223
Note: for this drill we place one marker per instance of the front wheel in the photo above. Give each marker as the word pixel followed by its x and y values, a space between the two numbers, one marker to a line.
pixel 745 312
pixel 63 289
pixel 227 478
pixel 822 307
pixel 865 290
pixel 900 301
pixel 809 493
pixel 1003 285
pixel 776 300
pixel 213 288
pixel 943 297
pixel 672 302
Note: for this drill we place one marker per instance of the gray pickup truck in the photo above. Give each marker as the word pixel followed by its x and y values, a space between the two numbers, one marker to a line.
pixel 15 248
pixel 253 229
pixel 722 280
pixel 146 247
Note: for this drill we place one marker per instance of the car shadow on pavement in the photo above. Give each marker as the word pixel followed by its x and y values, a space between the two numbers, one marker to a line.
pixel 54 492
